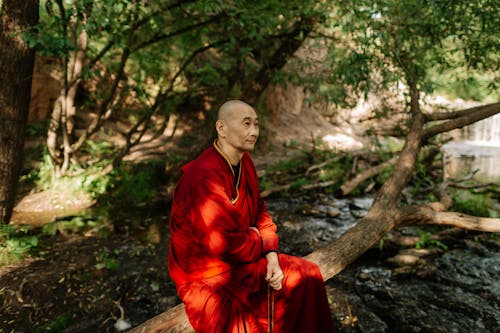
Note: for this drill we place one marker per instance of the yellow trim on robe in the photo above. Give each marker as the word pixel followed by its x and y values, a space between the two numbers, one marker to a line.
pixel 233 201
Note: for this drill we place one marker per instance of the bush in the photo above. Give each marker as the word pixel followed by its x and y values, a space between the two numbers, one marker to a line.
pixel 15 244
pixel 471 203
pixel 131 184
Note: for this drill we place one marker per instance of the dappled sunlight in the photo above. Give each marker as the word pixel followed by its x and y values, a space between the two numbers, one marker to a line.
pixel 211 212
pixel 342 142
pixel 216 242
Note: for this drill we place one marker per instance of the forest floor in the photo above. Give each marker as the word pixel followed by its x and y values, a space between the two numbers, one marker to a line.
pixel 77 283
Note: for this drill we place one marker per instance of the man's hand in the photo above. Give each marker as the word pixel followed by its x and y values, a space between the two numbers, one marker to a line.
pixel 274 274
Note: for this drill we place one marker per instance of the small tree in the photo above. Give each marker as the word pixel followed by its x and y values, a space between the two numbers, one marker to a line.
pixel 144 59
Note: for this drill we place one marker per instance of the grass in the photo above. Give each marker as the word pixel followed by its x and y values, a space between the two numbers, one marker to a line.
pixel 15 244
pixel 471 203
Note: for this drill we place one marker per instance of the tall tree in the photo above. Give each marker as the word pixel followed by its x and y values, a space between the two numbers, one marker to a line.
pixel 16 66
pixel 147 58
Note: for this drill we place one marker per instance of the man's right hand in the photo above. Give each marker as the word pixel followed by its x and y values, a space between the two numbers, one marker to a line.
pixel 274 275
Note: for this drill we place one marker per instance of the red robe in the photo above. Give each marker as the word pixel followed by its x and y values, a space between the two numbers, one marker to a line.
pixel 218 264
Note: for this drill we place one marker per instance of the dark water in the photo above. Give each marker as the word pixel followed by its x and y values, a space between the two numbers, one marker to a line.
pixel 456 289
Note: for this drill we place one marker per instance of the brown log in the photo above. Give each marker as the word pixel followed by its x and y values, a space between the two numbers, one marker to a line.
pixel 467 117
pixel 424 214
pixel 173 320
pixel 350 185
pixel 456 114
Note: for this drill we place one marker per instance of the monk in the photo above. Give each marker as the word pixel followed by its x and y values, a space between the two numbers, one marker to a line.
pixel 224 256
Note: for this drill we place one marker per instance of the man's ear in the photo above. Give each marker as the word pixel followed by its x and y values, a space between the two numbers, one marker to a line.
pixel 219 126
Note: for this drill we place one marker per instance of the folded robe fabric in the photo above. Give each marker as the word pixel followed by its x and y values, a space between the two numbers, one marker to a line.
pixel 218 263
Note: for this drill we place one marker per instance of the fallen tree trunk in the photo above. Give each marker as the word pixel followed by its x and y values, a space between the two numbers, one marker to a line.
pixel 174 320
pixel 383 216
pixel 349 186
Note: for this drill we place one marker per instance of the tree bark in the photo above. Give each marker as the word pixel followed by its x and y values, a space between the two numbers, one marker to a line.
pixel 16 65
pixel 464 118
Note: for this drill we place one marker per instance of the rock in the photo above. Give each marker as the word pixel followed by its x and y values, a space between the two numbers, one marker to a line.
pixel 361 203
pixel 332 212
pixel 46 206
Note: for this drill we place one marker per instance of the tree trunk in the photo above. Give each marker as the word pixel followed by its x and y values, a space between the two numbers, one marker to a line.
pixel 60 134
pixel 382 217
pixel 16 65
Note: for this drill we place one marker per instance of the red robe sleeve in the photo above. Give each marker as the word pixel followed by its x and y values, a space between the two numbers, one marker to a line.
pixel 263 221
pixel 218 224
pixel 267 228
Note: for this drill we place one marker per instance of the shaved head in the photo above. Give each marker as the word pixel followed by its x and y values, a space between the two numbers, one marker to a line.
pixel 237 129
pixel 228 109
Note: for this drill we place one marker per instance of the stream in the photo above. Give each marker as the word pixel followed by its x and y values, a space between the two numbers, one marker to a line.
pixel 456 289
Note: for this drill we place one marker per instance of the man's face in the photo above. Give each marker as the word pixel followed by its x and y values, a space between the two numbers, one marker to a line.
pixel 241 129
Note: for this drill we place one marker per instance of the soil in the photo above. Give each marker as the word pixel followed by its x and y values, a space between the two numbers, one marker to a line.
pixel 85 284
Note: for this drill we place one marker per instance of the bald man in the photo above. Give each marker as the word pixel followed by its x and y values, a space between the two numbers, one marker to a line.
pixel 224 256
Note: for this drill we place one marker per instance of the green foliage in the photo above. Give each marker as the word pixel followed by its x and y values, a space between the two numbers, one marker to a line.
pixel 264 184
pixel 98 150
pixel 299 183
pixel 460 82
pixel 426 242
pixel 422 178
pixel 80 180
pixel 377 44
pixel 79 225
pixel 15 244
pixel 471 203
pixel 337 170
pixel 107 259
pixel 132 184
pixel 58 325
pixel 383 175
pixel 36 129
pixel 288 164
pixel 381 244
pixel 143 58
pixel 182 58
pixel 292 171
pixel 126 184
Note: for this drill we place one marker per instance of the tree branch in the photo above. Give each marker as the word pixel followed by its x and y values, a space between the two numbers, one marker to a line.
pixel 350 185
pixel 159 100
pixel 415 215
pixel 467 117
pixel 162 36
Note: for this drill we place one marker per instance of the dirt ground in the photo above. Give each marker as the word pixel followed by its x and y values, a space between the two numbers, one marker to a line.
pixel 85 284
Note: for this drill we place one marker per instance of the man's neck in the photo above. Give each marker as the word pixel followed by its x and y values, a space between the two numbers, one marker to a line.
pixel 234 156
